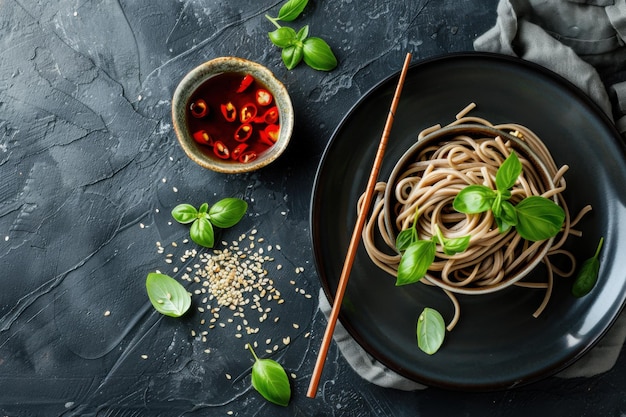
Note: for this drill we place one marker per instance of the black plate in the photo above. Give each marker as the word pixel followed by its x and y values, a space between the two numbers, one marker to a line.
pixel 497 343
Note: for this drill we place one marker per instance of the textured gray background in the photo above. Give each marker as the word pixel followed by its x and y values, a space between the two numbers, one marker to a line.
pixel 90 168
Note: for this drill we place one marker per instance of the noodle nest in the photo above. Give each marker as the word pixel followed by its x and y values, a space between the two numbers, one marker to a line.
pixel 429 176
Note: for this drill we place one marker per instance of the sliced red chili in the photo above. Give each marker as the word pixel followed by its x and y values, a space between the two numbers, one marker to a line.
pixel 265 139
pixel 248 112
pixel 243 132
pixel 247 157
pixel 263 97
pixel 220 150
pixel 238 151
pixel 272 132
pixel 271 116
pixel 199 108
pixel 229 111
pixel 202 137
pixel 245 83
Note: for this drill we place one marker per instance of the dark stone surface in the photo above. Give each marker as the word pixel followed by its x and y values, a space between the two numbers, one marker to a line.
pixel 90 169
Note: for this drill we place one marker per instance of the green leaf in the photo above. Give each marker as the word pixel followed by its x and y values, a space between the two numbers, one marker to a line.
pixel 431 330
pixel 508 213
pixel 538 218
pixel 408 236
pixel 588 274
pixel 405 239
pixel 303 33
pixel 451 246
pixel 415 262
pixel 508 172
pixel 318 55
pixel 455 245
pixel 184 213
pixel 291 10
pixel 292 56
pixel 227 212
pixel 496 205
pixel 167 295
pixel 506 216
pixel 474 199
pixel 202 233
pixel 270 380
pixel 283 37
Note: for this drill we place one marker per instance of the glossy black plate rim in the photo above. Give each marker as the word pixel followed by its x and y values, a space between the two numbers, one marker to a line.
pixel 504 382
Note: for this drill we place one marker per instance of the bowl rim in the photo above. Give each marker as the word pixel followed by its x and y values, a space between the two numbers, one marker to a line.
pixel 204 71
pixel 439 135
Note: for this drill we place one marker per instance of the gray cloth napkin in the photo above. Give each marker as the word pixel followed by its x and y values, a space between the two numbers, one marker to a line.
pixel 585 42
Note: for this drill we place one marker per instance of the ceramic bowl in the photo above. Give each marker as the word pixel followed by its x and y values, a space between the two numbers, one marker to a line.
pixel 436 139
pixel 203 154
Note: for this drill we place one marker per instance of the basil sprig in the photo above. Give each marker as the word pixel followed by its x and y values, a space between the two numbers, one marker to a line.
pixel 223 214
pixel 419 254
pixel 270 380
pixel 535 218
pixel 298 46
pixel 167 295
pixel 588 274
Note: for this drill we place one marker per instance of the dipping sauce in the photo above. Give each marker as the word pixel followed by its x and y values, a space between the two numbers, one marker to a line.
pixel 233 117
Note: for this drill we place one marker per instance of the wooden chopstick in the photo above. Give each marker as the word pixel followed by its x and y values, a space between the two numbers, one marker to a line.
pixel 356 236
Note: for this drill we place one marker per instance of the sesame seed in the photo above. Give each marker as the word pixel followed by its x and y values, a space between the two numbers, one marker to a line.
pixel 107 313
pixel 144 357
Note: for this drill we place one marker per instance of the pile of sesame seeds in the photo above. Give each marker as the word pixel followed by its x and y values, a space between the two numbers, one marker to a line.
pixel 233 285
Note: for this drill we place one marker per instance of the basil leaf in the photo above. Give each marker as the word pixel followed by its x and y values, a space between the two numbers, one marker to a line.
pixel 203 208
pixel 202 233
pixel 455 245
pixel 283 37
pixel 415 262
pixel 451 246
pixel 303 33
pixel 167 295
pixel 509 171
pixel 184 213
pixel 431 330
pixel 507 216
pixel 538 218
pixel 292 56
pixel 318 55
pixel 508 213
pixel 270 380
pixel 474 199
pixel 227 212
pixel 405 239
pixel 588 274
pixel 496 205
pixel 291 10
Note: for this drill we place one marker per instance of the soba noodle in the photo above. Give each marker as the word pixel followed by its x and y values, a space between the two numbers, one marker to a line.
pixel 429 185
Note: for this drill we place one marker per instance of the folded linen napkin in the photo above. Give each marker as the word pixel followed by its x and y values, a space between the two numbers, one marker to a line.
pixel 584 41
